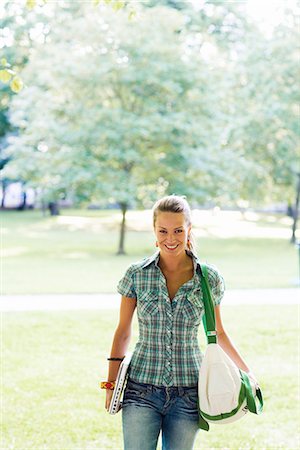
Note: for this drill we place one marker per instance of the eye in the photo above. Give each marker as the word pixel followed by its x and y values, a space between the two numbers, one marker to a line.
pixel 178 231
pixel 162 231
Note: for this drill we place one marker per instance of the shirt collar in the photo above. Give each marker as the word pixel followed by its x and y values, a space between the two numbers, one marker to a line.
pixel 196 261
pixel 155 258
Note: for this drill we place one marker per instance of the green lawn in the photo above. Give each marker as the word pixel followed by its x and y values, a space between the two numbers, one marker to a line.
pixel 52 363
pixel 76 252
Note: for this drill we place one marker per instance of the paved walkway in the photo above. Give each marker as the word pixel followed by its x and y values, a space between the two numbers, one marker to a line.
pixel 112 301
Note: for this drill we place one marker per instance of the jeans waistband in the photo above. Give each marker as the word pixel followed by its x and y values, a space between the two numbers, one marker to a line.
pixel 180 389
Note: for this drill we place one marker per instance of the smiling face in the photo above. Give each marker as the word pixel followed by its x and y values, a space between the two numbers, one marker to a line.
pixel 171 231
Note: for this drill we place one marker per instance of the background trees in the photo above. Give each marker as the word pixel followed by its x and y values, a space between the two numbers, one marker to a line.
pixel 196 101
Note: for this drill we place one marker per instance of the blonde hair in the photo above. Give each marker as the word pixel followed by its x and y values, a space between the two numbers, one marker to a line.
pixel 175 204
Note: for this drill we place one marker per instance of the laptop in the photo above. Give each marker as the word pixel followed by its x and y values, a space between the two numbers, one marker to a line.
pixel 116 404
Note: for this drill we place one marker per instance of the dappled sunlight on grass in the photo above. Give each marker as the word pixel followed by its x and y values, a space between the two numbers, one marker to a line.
pixel 228 224
pixel 242 230
pixel 223 224
pixel 14 251
pixel 74 223
pixel 75 253
pixel 93 224
pixel 214 223
pixel 71 223
pixel 140 220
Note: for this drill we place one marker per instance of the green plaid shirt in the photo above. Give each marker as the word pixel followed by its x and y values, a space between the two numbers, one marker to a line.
pixel 167 352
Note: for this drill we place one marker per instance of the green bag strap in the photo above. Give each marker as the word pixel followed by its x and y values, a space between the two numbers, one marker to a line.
pixel 260 399
pixel 203 425
pixel 251 400
pixel 209 321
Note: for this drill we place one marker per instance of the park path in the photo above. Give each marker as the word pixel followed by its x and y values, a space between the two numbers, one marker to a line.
pixel 58 302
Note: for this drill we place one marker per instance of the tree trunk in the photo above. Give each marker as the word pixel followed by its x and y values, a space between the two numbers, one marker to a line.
pixel 53 208
pixel 3 194
pixel 121 250
pixel 296 212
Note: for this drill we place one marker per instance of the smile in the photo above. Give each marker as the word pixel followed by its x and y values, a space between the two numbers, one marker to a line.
pixel 171 247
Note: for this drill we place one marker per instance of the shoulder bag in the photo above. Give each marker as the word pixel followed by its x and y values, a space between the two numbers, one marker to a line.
pixel 226 393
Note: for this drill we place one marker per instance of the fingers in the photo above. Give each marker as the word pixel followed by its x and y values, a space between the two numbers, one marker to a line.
pixel 109 394
pixel 253 378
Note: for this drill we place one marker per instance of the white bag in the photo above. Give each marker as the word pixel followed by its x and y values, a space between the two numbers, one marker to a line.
pixel 226 393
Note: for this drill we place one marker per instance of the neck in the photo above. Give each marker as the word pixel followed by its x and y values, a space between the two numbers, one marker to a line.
pixel 174 263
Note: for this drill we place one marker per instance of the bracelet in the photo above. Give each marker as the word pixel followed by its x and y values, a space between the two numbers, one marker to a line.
pixel 107 385
pixel 115 359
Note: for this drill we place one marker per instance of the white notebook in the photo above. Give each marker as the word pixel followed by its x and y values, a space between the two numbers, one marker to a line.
pixel 116 404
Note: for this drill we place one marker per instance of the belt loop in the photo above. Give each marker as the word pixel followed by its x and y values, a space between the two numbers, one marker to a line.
pixel 180 391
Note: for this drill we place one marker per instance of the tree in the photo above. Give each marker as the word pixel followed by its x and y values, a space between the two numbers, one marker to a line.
pixel 295 211
pixel 263 127
pixel 190 101
pixel 113 121
pixel 18 31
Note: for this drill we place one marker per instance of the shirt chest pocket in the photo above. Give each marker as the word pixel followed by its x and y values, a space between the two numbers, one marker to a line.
pixel 147 306
pixel 192 310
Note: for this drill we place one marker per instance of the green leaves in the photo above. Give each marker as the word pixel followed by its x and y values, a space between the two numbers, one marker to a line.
pixel 8 75
pixel 16 84
pixel 5 76
pixel 115 4
pixel 176 101
pixel 31 4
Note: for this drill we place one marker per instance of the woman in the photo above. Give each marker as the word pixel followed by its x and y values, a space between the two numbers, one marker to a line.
pixel 161 392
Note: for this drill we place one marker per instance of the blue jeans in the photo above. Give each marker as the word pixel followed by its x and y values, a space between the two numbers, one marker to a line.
pixel 147 409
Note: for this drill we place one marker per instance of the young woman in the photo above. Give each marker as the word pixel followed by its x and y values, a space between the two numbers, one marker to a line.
pixel 161 392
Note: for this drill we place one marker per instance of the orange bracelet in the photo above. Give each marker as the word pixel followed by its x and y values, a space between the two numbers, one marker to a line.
pixel 107 385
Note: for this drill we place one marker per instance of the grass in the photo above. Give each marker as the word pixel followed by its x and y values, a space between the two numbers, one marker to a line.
pixel 52 363
pixel 76 251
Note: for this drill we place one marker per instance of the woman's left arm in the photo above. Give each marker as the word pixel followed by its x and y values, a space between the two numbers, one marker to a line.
pixel 227 345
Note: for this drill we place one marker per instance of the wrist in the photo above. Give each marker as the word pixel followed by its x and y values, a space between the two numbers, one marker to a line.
pixel 115 359
pixel 250 373
pixel 108 385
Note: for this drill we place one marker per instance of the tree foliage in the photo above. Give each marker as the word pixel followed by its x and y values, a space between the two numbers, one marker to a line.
pixel 120 115
pixel 193 101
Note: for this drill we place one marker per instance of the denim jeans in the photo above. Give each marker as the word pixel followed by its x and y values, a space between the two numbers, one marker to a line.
pixel 149 409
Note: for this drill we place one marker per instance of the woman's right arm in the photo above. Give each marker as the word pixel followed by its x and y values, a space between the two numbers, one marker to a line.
pixel 120 341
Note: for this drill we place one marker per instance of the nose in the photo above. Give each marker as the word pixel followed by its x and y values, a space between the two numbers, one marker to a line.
pixel 170 238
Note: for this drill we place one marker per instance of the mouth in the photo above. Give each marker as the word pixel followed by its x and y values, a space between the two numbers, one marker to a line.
pixel 171 247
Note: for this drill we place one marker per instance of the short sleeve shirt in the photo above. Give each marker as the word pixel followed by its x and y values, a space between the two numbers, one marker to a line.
pixel 167 352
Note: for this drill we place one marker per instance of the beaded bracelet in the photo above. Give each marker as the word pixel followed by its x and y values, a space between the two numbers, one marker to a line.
pixel 107 385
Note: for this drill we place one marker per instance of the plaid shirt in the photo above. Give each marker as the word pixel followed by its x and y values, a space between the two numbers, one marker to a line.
pixel 167 352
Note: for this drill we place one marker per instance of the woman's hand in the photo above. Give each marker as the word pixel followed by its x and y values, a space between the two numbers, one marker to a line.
pixel 109 394
pixel 253 377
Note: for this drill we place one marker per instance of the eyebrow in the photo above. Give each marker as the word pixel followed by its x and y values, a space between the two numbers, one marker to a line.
pixel 174 228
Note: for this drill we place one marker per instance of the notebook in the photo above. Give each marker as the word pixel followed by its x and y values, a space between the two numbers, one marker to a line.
pixel 116 404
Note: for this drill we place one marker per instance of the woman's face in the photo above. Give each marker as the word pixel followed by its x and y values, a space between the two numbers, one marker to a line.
pixel 171 232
